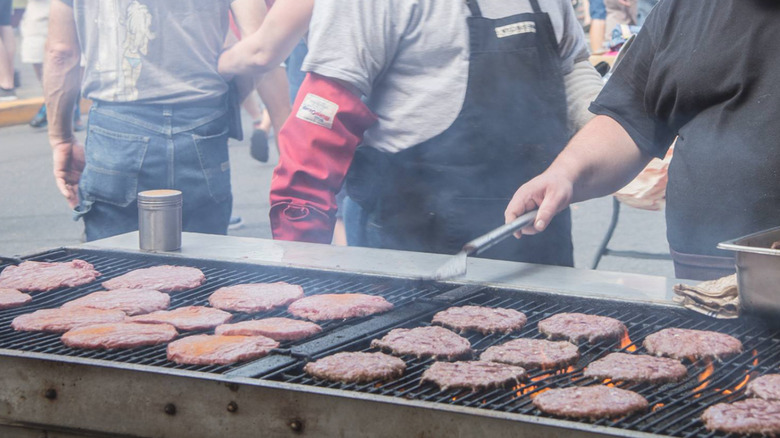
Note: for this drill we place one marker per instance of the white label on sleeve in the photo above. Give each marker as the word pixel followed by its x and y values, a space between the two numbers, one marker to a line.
pixel 516 29
pixel 317 110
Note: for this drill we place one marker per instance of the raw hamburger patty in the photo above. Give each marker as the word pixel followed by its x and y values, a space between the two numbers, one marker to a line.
pixel 130 301
pixel 577 327
pixel 10 298
pixel 424 341
pixel 766 387
pixel 533 353
pixel 187 318
pixel 356 367
pixel 164 278
pixel 636 368
pixel 46 276
pixel 257 297
pixel 751 416
pixel 474 375
pixel 119 335
pixel 219 349
pixel 692 344
pixel 338 306
pixel 278 329
pixel 592 402
pixel 484 320
pixel 62 320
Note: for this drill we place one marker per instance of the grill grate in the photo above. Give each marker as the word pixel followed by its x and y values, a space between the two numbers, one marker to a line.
pixel 675 407
pixel 218 274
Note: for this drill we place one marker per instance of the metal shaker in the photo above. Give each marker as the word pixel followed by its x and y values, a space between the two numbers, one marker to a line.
pixel 159 220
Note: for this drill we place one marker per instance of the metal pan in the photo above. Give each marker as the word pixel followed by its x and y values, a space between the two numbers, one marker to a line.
pixel 758 270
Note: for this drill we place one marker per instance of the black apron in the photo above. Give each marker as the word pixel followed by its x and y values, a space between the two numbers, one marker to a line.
pixel 436 196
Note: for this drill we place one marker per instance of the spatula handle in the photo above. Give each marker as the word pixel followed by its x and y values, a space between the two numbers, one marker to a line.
pixel 486 241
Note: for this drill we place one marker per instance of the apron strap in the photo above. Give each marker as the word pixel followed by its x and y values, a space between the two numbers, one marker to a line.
pixel 474 8
pixel 535 6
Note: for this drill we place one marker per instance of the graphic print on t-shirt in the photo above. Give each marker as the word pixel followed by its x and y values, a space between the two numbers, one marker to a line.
pixel 137 23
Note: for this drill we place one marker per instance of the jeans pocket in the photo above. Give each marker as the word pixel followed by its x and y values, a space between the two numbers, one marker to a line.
pixel 113 162
pixel 215 163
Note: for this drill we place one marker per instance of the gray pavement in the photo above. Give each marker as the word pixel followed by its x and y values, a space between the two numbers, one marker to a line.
pixel 34 217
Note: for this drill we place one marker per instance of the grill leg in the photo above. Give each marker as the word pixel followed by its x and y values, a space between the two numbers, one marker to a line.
pixel 605 241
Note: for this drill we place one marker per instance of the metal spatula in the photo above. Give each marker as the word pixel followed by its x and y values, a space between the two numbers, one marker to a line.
pixel 457 264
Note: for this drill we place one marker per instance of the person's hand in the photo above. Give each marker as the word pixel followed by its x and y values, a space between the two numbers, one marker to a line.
pixel 548 192
pixel 68 157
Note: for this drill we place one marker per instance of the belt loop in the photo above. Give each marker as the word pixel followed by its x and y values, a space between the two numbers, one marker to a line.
pixel 474 8
pixel 535 6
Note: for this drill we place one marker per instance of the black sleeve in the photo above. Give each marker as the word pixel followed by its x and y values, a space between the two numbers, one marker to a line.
pixel 627 98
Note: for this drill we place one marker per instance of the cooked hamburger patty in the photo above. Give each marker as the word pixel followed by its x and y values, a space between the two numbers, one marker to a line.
pixel 256 297
pixel 636 368
pixel 578 327
pixel 751 416
pixel 278 329
pixel 46 276
pixel 692 344
pixel 186 318
pixel 62 320
pixel 10 298
pixel 338 306
pixel 484 320
pixel 219 349
pixel 424 341
pixel 119 335
pixel 533 353
pixel 592 402
pixel 164 278
pixel 356 367
pixel 130 301
pixel 766 387
pixel 475 375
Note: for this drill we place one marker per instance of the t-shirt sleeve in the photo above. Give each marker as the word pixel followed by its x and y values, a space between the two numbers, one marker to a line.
pixel 627 98
pixel 571 45
pixel 354 40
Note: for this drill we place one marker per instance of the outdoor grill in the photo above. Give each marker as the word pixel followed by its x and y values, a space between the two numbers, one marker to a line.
pixel 46 386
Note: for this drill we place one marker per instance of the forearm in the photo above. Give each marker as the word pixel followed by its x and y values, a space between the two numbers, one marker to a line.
pixel 599 160
pixel 274 91
pixel 61 84
pixel 582 84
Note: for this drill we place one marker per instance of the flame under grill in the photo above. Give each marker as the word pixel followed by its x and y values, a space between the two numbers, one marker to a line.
pixel 675 408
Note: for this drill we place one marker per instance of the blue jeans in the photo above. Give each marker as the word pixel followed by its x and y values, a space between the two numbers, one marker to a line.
pixel 597 10
pixel 131 148
pixel 294 74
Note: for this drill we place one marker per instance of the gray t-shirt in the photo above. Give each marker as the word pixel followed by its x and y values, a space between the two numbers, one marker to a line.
pixel 410 57
pixel 151 51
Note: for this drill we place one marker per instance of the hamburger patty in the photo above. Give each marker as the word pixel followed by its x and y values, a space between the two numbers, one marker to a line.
pixel 46 276
pixel 130 301
pixel 278 329
pixel 484 320
pixel 356 367
pixel 10 298
pixel 766 387
pixel 751 416
pixel 636 368
pixel 338 306
pixel 164 278
pixel 219 349
pixel 475 375
pixel 119 335
pixel 578 327
pixel 533 353
pixel 592 402
pixel 424 341
pixel 256 297
pixel 186 318
pixel 62 320
pixel 692 344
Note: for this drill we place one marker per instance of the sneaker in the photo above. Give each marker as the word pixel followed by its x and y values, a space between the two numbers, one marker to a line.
pixel 258 148
pixel 7 95
pixel 39 121
pixel 235 223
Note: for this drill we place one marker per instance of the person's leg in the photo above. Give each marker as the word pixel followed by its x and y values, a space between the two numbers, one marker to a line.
pixel 598 15
pixel 7 48
pixel 39 120
pixel 294 74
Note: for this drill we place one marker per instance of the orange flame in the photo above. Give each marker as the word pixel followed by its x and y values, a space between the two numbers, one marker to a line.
pixel 609 383
pixel 739 386
pixel 703 378
pixel 755 358
pixel 625 341
pixel 454 398
pixel 657 406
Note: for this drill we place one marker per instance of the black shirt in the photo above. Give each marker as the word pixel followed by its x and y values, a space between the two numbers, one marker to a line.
pixel 707 71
